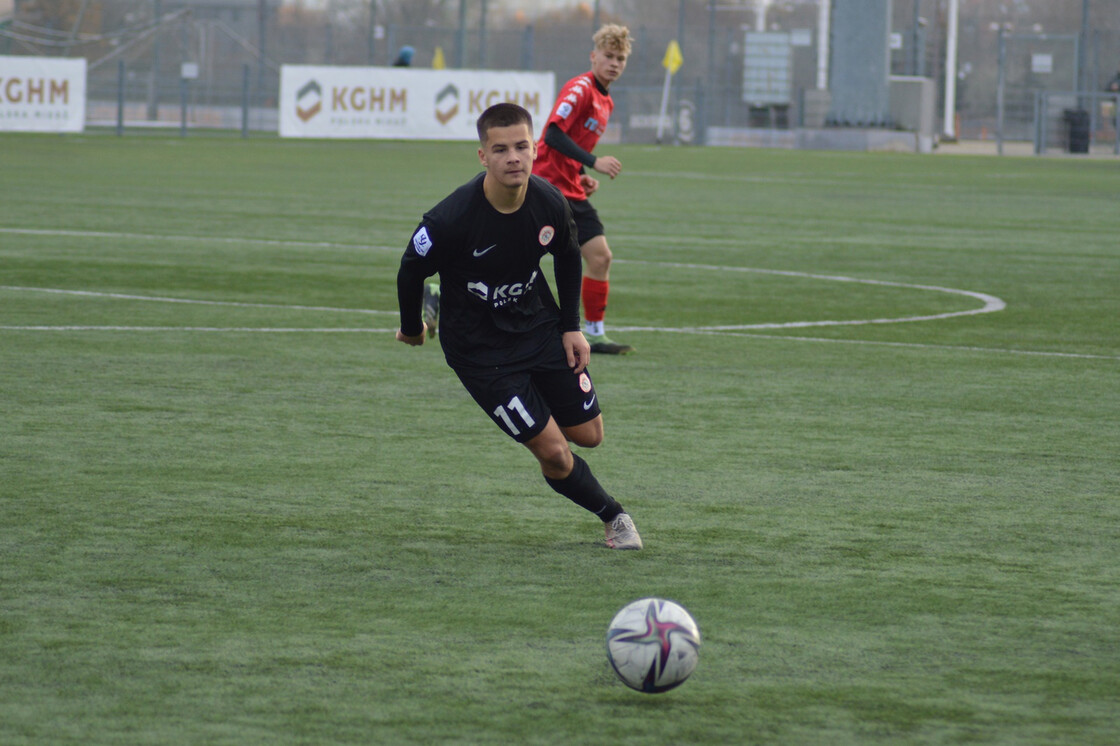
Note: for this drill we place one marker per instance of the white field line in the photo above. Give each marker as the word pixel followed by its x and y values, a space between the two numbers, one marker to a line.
pixel 198 239
pixel 742 335
pixel 160 299
pixel 868 342
pixel 991 303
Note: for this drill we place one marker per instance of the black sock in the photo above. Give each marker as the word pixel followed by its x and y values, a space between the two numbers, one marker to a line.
pixel 582 488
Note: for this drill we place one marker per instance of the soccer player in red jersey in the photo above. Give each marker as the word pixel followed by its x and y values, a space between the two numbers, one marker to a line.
pixel 578 120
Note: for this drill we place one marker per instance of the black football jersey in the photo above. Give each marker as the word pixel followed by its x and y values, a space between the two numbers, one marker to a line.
pixel 496 306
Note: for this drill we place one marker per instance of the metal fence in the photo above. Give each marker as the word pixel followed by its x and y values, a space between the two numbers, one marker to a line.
pixel 1077 122
pixel 236 56
pixel 151 85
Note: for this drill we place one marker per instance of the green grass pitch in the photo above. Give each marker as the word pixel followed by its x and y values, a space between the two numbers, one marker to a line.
pixel 234 510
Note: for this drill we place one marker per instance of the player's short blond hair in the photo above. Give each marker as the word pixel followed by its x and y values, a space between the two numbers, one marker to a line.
pixel 614 37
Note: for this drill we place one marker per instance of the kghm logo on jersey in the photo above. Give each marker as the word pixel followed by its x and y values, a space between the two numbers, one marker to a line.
pixel 309 100
pixel 502 295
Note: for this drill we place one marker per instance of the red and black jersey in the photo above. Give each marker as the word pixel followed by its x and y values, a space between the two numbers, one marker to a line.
pixel 581 111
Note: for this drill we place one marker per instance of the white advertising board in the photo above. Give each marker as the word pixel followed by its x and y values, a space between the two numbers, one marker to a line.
pixel 42 94
pixel 402 103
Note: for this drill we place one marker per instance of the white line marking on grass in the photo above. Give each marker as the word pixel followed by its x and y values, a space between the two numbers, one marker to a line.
pixel 991 302
pixel 870 342
pixel 160 299
pixel 198 239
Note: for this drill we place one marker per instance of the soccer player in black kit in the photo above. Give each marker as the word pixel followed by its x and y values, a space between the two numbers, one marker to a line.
pixel 518 352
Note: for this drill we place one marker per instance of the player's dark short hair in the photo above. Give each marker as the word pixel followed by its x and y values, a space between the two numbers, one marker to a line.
pixel 502 115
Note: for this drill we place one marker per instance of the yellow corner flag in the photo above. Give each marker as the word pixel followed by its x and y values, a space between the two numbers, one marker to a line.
pixel 673 59
pixel 438 62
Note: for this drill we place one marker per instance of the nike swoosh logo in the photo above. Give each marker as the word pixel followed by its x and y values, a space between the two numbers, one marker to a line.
pixel 587 404
pixel 480 252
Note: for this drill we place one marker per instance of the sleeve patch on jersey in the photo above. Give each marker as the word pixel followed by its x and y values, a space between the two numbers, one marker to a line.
pixel 422 242
pixel 563 110
pixel 546 235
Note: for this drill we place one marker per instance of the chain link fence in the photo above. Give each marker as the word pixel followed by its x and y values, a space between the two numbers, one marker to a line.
pixel 218 63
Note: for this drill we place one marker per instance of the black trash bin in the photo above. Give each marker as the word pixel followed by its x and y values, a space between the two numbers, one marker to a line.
pixel 1078 121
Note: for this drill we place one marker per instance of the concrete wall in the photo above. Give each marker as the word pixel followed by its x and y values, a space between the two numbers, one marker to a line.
pixel 913 107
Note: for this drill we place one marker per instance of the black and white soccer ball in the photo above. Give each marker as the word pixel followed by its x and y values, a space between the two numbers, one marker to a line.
pixel 653 645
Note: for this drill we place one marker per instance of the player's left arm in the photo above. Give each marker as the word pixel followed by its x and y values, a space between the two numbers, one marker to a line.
pixel 558 140
pixel 568 268
pixel 578 350
pixel 567 263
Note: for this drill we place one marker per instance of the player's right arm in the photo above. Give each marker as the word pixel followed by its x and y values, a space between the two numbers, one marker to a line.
pixel 609 165
pixel 416 267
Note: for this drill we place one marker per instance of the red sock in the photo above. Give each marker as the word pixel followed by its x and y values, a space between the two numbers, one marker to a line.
pixel 595 298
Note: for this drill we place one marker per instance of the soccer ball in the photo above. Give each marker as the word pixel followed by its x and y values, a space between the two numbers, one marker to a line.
pixel 653 645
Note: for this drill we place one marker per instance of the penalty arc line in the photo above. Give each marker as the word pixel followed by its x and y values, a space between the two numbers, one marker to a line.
pixel 992 304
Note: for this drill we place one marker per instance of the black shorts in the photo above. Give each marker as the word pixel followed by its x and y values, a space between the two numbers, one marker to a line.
pixel 587 220
pixel 521 398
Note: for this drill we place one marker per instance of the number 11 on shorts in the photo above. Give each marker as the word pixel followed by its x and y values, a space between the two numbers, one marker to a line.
pixel 517 408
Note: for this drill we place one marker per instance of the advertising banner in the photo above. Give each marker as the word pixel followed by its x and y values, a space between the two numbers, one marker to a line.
pixel 42 94
pixel 402 103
